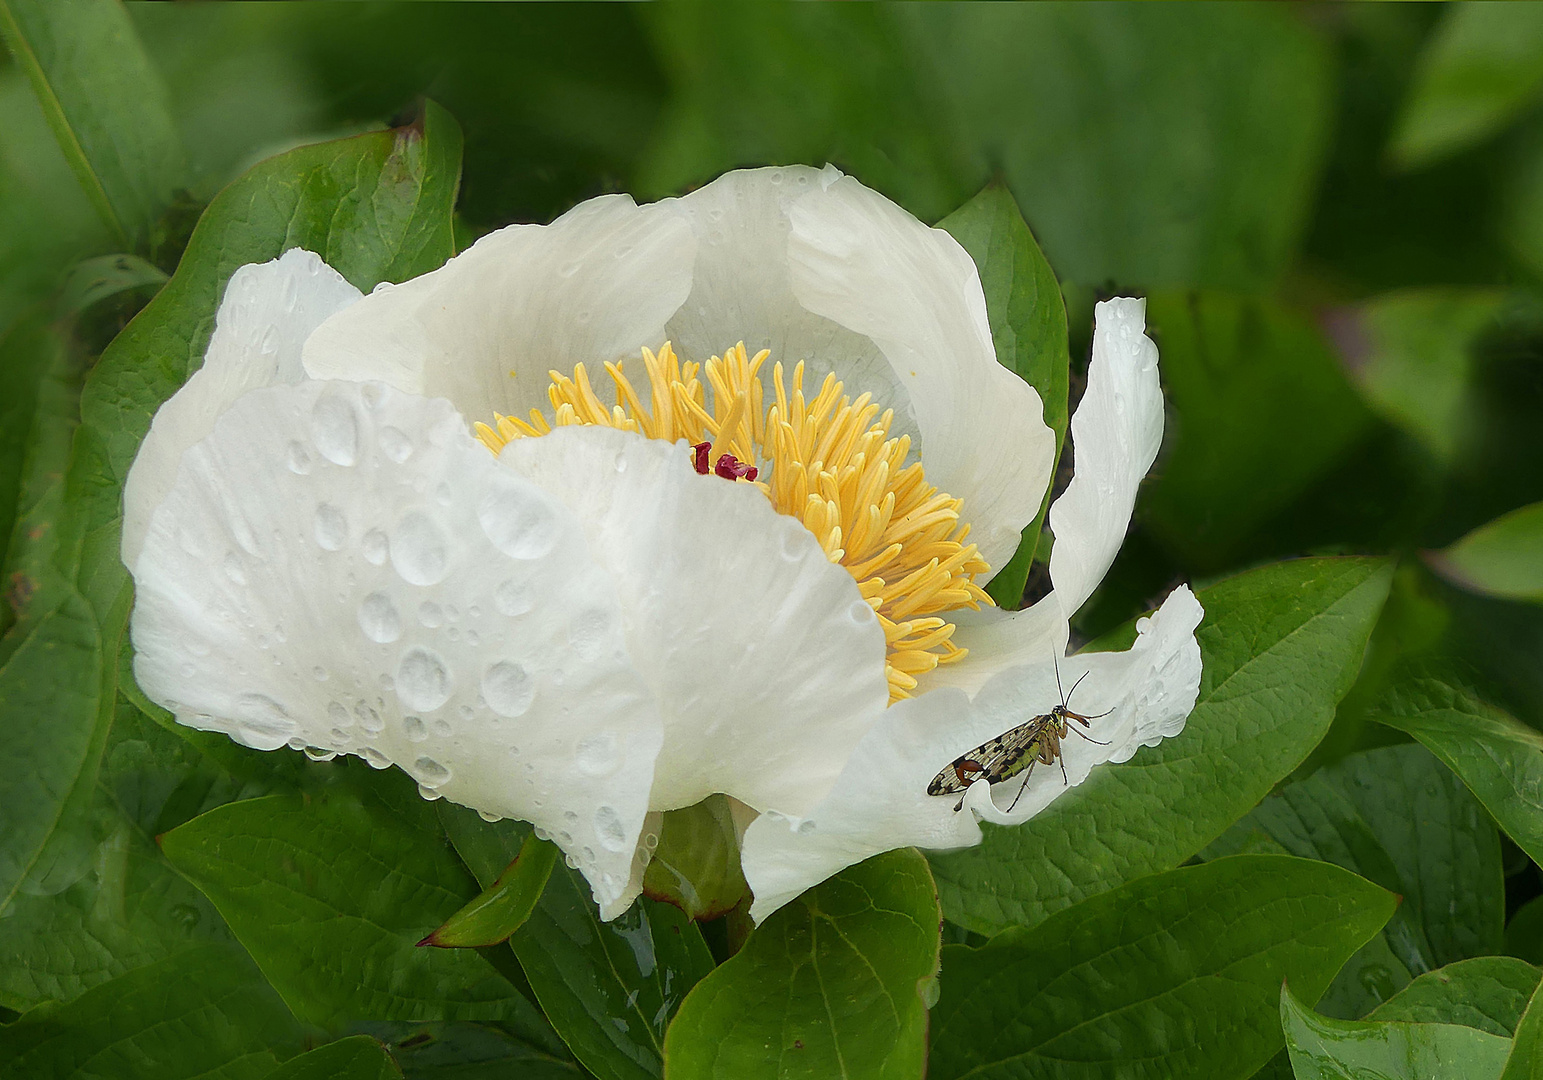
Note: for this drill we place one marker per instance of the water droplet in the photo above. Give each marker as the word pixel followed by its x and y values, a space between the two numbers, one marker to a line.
pixel 414 728
pixel 443 494
pixel 376 759
pixel 596 754
pixel 588 632
pixel 508 688
pixel 861 613
pixel 375 546
pixel 488 816
pixel 369 717
pixel 319 673
pixel 317 753
pixel 331 527
pixel 805 828
pixel 395 444
pixel 418 551
pixel 429 773
pixel 261 722
pixel 512 598
pixel 339 715
pixel 234 570
pixel 518 521
pixel 422 681
pixel 609 827
pixel 794 543
pixel 650 841
pixel 621 463
pixel 429 793
pixel 441 728
pixel 299 459
pixel 430 615
pixel 378 618
pixel 335 429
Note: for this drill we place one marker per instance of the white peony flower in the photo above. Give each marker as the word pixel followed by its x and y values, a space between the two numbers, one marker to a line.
pixel 580 629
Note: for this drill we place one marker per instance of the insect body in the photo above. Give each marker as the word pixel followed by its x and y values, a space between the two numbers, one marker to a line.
pixel 1034 742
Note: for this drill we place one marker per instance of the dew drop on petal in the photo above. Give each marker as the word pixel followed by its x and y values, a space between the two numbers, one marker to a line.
pixel 422 681
pixel 376 759
pixel 488 816
pixel 335 429
pixel 861 613
pixel 395 444
pixel 414 729
pixel 418 551
pixel 339 715
pixel 518 522
pixel 441 728
pixel 512 598
pixel 429 793
pixel 369 717
pixel 508 688
pixel 378 618
pixel 299 459
pixel 375 546
pixel 331 527
pixel 262 723
pixel 317 753
pixel 430 615
pixel 596 754
pixel 429 773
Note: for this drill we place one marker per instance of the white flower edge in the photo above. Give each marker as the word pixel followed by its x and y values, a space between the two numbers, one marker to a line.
pixel 881 801
pixel 811 264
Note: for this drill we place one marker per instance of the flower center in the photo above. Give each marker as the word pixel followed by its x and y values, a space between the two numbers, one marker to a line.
pixel 830 462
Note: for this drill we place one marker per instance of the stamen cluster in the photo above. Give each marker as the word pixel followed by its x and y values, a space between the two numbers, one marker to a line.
pixel 830 462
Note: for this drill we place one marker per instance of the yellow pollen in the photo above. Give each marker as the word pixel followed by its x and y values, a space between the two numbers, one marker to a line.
pixel 829 462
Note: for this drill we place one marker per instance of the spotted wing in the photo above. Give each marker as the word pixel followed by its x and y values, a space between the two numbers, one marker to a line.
pixel 997 759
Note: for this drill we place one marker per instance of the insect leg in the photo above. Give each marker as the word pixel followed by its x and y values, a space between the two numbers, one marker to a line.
pixel 1089 738
pixel 1026 774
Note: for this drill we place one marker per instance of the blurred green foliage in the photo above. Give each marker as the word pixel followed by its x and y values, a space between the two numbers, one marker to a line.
pixel 1336 211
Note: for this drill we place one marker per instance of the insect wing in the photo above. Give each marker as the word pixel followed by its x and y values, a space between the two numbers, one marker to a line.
pixel 999 758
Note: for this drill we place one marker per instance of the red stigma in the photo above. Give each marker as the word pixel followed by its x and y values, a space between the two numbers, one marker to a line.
pixel 731 468
pixel 701 449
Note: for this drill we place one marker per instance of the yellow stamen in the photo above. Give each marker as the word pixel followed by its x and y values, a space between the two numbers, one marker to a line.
pixel 829 462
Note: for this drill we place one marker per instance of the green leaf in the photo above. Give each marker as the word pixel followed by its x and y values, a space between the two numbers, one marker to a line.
pixel 204 1015
pixel 1503 558
pixel 832 984
pixel 1526 1059
pixel 1324 1049
pixel 1499 759
pixel 1487 992
pixel 503 906
pixel 28 350
pixel 331 895
pixel 1028 328
pixel 105 103
pixel 696 865
pixel 356 1058
pixel 1524 933
pixel 471 1052
pixel 53 738
pixel 1478 72
pixel 1240 375
pixel 609 989
pixel 1144 156
pixel 1280 645
pixel 1398 817
pixel 1094 990
pixel 1411 354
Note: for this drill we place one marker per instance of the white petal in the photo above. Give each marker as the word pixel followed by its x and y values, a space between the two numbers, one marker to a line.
pixel 597 284
pixel 341 566
pixel 858 259
pixel 881 800
pixel 268 311
pixel 742 289
pixel 767 664
pixel 1115 435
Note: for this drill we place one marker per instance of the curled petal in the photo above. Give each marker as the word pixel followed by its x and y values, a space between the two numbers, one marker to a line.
pixel 340 566
pixel 881 801
pixel 268 311
pixel 861 261
pixel 483 330
pixel 1115 435
pixel 767 663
